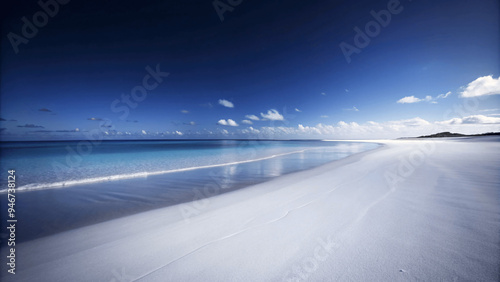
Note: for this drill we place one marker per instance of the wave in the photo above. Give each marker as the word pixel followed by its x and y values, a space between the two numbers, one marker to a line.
pixel 64 184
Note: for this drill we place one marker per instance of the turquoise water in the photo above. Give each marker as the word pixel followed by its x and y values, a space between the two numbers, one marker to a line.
pixel 41 165
pixel 119 178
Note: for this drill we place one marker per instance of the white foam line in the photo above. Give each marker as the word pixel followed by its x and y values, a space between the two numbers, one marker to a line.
pixel 63 184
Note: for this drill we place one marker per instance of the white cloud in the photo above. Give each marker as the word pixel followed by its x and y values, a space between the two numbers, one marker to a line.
pixel 485 85
pixel 324 116
pixel 185 111
pixel 409 100
pixel 228 122
pixel 323 93
pixel 346 90
pixel 428 98
pixel 474 119
pixel 443 96
pixel 413 122
pixel 179 133
pixel 192 123
pixel 297 110
pixel 252 117
pixel 352 109
pixel 246 121
pixel 272 115
pixel 250 130
pixel 226 103
pixel 309 129
pixel 389 129
pixel 342 123
pixel 144 132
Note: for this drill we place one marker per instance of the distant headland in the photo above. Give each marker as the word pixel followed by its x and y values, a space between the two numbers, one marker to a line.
pixel 450 134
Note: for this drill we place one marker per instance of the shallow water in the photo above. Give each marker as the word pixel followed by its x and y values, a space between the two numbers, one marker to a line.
pixel 152 174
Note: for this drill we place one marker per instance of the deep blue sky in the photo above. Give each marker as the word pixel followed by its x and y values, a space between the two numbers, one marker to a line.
pixel 264 56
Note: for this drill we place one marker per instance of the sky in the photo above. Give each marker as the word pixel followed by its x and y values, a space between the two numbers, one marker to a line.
pixel 239 69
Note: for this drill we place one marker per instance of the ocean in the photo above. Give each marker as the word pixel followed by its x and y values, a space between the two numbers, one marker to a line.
pixel 63 185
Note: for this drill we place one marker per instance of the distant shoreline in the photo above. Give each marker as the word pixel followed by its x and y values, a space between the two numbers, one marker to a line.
pixel 450 134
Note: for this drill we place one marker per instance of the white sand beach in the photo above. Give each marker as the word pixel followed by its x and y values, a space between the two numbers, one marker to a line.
pixel 412 210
